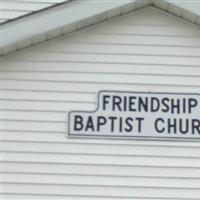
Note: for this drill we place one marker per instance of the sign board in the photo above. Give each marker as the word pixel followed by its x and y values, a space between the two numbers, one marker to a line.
pixel 139 115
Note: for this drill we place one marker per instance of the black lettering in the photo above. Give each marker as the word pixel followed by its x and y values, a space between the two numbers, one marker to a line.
pixel 116 103
pixel 155 104
pixel 157 127
pixel 142 104
pixel 128 123
pixel 172 126
pixel 192 103
pixel 112 119
pixel 195 126
pixel 175 106
pixel 89 124
pixel 166 106
pixel 132 103
pixel 139 119
pixel 185 129
pixel 120 124
pixel 125 103
pixel 100 122
pixel 105 101
pixel 184 105
pixel 78 123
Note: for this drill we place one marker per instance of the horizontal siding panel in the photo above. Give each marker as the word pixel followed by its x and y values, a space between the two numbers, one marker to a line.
pixel 109 28
pixel 10 14
pixel 12 9
pixel 101 170
pixel 96 68
pixel 29 6
pixel 100 159
pixel 60 137
pixel 91 58
pixel 61 87
pixel 38 1
pixel 34 136
pixel 3 20
pixel 102 191
pixel 33 126
pixel 106 78
pixel 102 149
pixel 102 181
pixel 76 197
pixel 121 49
pixel 45 96
pixel 87 77
pixel 33 116
pixel 133 39
pixel 51 106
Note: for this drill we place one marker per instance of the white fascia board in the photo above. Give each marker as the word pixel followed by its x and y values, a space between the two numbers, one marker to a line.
pixel 192 6
pixel 185 9
pixel 55 18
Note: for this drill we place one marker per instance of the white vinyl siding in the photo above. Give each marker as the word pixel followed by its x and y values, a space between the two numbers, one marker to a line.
pixel 11 9
pixel 147 50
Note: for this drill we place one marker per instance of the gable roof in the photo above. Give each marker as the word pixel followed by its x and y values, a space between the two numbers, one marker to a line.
pixel 76 14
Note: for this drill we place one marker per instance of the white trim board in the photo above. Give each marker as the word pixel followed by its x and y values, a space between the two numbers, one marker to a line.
pixel 74 15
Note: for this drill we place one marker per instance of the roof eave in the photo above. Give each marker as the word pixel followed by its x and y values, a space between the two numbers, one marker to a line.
pixel 75 15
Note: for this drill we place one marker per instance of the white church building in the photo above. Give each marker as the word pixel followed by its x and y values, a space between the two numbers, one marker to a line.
pixel 100 99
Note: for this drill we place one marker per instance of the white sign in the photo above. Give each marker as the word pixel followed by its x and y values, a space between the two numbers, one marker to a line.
pixel 139 115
